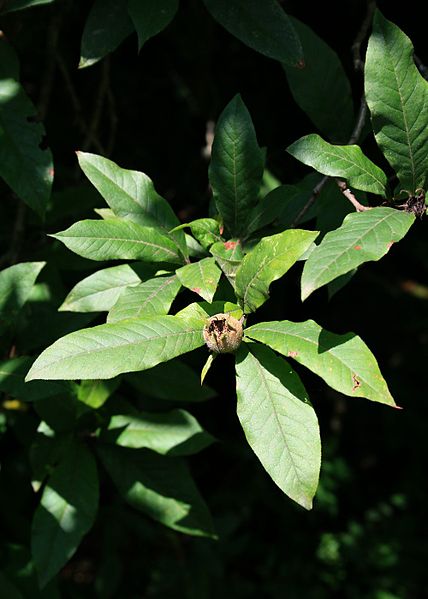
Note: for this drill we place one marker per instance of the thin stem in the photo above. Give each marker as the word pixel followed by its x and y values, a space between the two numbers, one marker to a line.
pixel 75 102
pixel 91 136
pixel 361 36
pixel 315 193
pixel 350 196
pixel 360 122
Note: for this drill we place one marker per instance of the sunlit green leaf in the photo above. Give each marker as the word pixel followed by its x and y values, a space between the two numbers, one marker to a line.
pixel 119 240
pixel 397 96
pixel 175 433
pixel 206 231
pixel 363 237
pixel 279 422
pixel 154 296
pixel 104 351
pixel 131 195
pixel 236 167
pixel 267 262
pixel 16 283
pixel 202 277
pixel 228 255
pixel 343 361
pixel 203 310
pixel 347 162
pixel 94 394
pixel 101 290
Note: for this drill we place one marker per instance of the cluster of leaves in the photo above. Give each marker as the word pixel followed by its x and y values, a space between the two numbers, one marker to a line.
pixel 230 260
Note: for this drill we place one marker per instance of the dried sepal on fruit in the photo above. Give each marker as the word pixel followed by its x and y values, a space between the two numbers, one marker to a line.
pixel 223 333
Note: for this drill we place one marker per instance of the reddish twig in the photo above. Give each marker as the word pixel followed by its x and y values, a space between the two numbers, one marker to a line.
pixel 350 196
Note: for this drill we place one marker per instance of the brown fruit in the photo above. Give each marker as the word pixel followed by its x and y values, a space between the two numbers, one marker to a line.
pixel 223 333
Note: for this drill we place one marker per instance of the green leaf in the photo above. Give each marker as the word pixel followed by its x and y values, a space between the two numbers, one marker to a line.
pixel 94 394
pixel 156 383
pixel 263 26
pixel 151 16
pixel 194 249
pixel 203 310
pixel 14 5
pixel 348 162
pixel 282 205
pixel 20 139
pixel 271 258
pixel 46 451
pixel 107 25
pixel 12 375
pixel 104 351
pixel 154 296
pixel 363 237
pixel 228 256
pixel 105 213
pixel 119 240
pixel 206 231
pixel 321 88
pixel 343 361
pixel 175 433
pixel 397 96
pixel 293 198
pixel 236 167
pixel 66 512
pixel 16 283
pixel 202 277
pixel 206 367
pixel 101 290
pixel 159 486
pixel 279 422
pixel 131 195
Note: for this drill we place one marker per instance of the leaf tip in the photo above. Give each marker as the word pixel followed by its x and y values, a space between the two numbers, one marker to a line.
pixel 30 376
pixel 306 292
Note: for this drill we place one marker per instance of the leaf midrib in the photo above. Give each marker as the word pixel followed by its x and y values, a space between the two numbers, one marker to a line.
pixel 328 265
pixel 272 402
pixel 140 241
pixel 317 345
pixel 128 344
pixel 160 223
pixel 356 164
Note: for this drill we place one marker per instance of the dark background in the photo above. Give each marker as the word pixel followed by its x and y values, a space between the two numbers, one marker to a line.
pixel 367 534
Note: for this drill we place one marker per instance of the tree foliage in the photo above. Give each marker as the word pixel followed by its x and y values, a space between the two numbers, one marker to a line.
pixel 117 302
